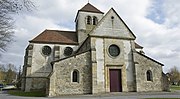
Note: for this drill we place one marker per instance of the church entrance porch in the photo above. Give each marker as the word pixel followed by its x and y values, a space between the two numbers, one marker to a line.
pixel 115 80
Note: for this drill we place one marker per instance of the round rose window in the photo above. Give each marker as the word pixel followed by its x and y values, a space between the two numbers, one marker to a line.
pixel 114 50
pixel 46 50
pixel 68 51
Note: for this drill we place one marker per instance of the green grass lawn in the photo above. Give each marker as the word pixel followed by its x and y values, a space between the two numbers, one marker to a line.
pixel 27 94
pixel 173 87
pixel 162 98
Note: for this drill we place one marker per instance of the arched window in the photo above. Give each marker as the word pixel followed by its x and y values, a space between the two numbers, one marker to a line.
pixel 95 20
pixel 149 75
pixel 89 20
pixel 75 76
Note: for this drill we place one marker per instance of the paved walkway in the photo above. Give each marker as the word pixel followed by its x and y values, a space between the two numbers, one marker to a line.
pixel 131 95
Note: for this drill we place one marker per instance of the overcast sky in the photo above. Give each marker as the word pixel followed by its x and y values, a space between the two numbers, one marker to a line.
pixel 156 24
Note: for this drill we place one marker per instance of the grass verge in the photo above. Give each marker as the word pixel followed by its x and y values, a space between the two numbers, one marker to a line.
pixel 175 87
pixel 27 94
pixel 161 98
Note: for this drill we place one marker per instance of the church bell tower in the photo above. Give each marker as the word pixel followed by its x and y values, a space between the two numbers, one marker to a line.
pixel 87 18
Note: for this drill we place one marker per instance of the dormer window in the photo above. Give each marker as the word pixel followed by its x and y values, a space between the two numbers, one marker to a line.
pixel 89 20
pixel 95 20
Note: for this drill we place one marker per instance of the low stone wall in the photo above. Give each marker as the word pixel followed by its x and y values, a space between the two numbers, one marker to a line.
pixel 35 83
pixel 39 84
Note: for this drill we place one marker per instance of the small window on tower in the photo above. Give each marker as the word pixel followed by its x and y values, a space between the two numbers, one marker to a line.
pixel 95 20
pixel 88 20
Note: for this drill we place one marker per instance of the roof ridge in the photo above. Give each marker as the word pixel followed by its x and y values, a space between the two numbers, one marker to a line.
pixel 60 30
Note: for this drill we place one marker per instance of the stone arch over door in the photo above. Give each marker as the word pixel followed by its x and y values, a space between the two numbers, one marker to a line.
pixel 122 70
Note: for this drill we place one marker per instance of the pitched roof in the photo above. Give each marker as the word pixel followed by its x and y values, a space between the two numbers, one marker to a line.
pixel 56 37
pixel 90 8
pixel 148 57
pixel 134 37
pixel 138 46
pixel 124 23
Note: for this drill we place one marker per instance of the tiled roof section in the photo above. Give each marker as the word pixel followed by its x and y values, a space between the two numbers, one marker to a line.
pixel 138 46
pixel 90 8
pixel 56 37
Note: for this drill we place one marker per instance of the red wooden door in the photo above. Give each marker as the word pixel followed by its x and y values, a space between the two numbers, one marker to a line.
pixel 115 80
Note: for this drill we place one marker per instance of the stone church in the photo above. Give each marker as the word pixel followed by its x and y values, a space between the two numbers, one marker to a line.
pixel 100 56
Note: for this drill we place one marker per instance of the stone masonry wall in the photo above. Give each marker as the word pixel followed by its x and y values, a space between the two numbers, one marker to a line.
pixel 39 84
pixel 62 76
pixel 142 65
pixel 165 82
pixel 103 62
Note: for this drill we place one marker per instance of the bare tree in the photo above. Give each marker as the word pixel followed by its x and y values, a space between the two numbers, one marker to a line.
pixel 8 73
pixel 174 75
pixel 2 73
pixel 7 9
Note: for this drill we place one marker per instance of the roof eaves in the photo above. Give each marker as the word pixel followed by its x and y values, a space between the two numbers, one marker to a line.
pixel 44 42
pixel 138 46
pixel 73 55
pixel 149 58
pixel 91 11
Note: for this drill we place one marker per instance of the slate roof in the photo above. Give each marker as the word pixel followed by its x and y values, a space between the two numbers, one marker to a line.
pixel 90 8
pixel 56 37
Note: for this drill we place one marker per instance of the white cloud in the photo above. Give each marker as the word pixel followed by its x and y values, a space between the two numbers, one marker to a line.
pixel 160 41
pixel 172 13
